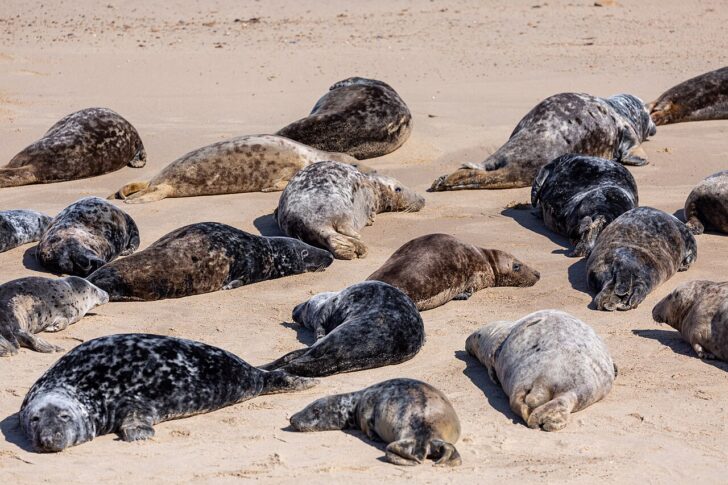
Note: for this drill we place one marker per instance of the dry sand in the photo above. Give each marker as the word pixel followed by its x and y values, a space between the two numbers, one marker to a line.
pixel 187 74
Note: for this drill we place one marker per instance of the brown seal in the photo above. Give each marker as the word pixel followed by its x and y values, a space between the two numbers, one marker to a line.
pixel 701 98
pixel 707 204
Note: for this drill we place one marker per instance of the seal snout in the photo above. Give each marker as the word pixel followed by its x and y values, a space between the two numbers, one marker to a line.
pixel 51 441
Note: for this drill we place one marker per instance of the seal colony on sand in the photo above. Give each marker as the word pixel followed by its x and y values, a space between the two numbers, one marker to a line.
pixel 707 204
pixel 579 195
pixel 364 118
pixel 611 128
pixel 437 268
pixel 549 363
pixel 701 98
pixel 366 325
pixel 18 227
pixel 243 164
pixel 699 311
pixel 416 420
pixel 126 384
pixel 327 203
pixel 637 252
pixel 33 305
pixel 205 257
pixel 85 236
pixel 90 142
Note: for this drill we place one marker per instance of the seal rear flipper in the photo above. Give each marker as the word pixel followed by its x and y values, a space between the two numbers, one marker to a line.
pixel 30 341
pixel 85 263
pixel 140 158
pixel 553 415
pixel 15 177
pixel 279 381
pixel 346 247
pixel 150 194
pixel 404 452
pixel 691 216
pixel 444 453
pixel 280 362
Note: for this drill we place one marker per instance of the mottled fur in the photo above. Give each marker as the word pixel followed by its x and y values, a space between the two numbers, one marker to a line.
pixel 701 98
pixel 707 204
pixel 18 227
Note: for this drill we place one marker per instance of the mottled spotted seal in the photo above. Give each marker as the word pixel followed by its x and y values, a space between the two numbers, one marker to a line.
pixel 416 420
pixel 86 235
pixel 369 324
pixel 611 128
pixel 86 143
pixel 364 118
pixel 33 305
pixel 126 384
pixel 549 363
pixel 579 195
pixel 437 268
pixel 707 204
pixel 205 257
pixel 18 227
pixel 244 164
pixel 327 203
pixel 634 254
pixel 701 98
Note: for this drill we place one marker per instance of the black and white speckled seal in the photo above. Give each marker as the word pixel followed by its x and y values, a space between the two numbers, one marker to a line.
pixel 549 363
pixel 86 143
pixel 369 324
pixel 577 196
pixel 127 383
pixel 327 203
pixel 611 128
pixel 205 257
pixel 707 204
pixel 86 235
pixel 634 254
pixel 416 420
pixel 18 227
pixel 704 97
pixel 364 118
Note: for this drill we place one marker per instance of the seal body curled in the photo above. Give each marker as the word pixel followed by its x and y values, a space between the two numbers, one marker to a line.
pixel 33 305
pixel 18 227
pixel 327 203
pixel 369 324
pixel 127 383
pixel 85 236
pixel 577 196
pixel 701 98
pixel 707 204
pixel 638 251
pixel 364 118
pixel 611 128
pixel 416 420
pixel 205 257
pixel 549 363
pixel 86 143
pixel 437 268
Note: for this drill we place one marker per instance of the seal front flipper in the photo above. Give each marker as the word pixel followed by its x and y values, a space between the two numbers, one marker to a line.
pixel 404 452
pixel 589 230
pixel 9 347
pixel 136 425
pixel 280 362
pixel 30 341
pixel 17 176
pixel 150 194
pixel 691 247
pixel 444 453
pixel 129 189
pixel 278 381
pixel 464 295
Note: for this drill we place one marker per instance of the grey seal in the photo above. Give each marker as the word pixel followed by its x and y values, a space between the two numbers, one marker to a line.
pixel 707 204
pixel 18 227
pixel 704 97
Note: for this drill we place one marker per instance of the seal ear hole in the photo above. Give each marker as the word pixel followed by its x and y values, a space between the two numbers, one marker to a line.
pixel 304 253
pixel 34 420
pixel 398 189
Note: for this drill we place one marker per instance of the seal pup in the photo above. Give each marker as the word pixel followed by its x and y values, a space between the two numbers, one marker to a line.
pixel 548 363
pixel 33 305
pixel 205 257
pixel 707 204
pixel 18 227
pixel 416 420
pixel 579 195
pixel 90 142
pixel 437 268
pixel 127 383
pixel 364 118
pixel 699 311
pixel 327 203
pixel 243 164
pixel 367 325
pixel 85 236
pixel 637 252
pixel 701 98
pixel 611 128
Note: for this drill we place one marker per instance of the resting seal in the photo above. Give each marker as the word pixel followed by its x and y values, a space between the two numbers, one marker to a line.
pixel 85 236
pixel 637 252
pixel 86 143
pixel 244 164
pixel 437 268
pixel 416 420
pixel 327 203
pixel 367 325
pixel 611 128
pixel 701 98
pixel 579 195
pixel 707 204
pixel 33 305
pixel 364 118
pixel 18 227
pixel 205 257
pixel 549 363
pixel 126 384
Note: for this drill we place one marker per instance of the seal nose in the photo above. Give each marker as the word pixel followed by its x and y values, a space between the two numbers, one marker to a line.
pixel 51 440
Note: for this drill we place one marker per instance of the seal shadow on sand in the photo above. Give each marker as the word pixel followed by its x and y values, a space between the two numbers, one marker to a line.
pixel 10 428
pixel 304 335
pixel 673 340
pixel 357 433
pixel 267 226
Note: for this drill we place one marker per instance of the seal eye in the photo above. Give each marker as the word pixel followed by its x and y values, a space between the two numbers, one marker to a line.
pixel 304 253
pixel 516 266
pixel 398 189
pixel 64 417
pixel 34 420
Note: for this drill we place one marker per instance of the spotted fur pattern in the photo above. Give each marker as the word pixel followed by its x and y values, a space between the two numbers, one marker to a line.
pixel 707 204
pixel 701 98
pixel 18 227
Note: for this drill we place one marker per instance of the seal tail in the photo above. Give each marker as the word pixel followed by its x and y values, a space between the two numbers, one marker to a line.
pixel 17 176
pixel 279 381
pixel 290 356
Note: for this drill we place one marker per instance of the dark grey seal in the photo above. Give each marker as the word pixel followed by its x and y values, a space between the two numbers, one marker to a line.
pixel 701 98
pixel 18 227
pixel 707 204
